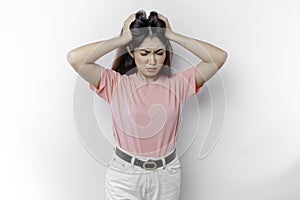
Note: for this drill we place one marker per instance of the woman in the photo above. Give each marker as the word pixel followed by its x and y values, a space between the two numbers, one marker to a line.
pixel 146 101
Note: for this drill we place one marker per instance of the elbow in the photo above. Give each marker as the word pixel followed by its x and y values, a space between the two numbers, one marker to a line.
pixel 71 58
pixel 221 58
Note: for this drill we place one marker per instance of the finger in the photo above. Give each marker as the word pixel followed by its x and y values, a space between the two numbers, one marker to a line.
pixel 131 17
pixel 161 16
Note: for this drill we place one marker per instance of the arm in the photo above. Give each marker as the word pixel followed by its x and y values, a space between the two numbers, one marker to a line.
pixel 212 57
pixel 83 58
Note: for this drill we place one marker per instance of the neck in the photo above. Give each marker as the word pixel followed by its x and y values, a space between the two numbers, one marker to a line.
pixel 147 79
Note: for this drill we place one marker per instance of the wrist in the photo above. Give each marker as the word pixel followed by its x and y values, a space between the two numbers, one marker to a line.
pixel 170 34
pixel 125 38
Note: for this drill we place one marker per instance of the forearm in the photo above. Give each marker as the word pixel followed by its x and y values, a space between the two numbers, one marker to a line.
pixel 206 52
pixel 89 53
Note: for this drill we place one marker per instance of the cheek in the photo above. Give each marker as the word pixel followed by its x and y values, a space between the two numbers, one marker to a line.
pixel 161 59
pixel 140 60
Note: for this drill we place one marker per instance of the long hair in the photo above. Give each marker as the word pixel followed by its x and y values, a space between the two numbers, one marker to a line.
pixel 141 28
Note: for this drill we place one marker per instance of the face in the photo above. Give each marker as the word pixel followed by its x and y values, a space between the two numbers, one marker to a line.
pixel 149 57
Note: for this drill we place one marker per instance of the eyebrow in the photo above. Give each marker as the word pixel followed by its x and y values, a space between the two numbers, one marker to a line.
pixel 150 51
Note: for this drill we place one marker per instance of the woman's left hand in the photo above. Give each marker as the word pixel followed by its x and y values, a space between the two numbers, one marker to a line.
pixel 168 27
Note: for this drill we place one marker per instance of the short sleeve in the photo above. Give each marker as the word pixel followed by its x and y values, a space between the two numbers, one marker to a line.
pixel 188 86
pixel 108 82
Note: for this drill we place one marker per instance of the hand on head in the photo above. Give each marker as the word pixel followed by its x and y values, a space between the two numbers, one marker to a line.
pixel 126 26
pixel 168 26
pixel 165 19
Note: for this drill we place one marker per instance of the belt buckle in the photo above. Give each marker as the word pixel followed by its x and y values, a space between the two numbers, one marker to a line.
pixel 149 162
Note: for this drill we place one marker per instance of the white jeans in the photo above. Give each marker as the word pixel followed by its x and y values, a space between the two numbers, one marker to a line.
pixel 125 181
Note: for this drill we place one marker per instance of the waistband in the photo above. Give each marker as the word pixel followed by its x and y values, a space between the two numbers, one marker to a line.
pixel 148 164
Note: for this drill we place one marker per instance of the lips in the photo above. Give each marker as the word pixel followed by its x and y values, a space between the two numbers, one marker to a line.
pixel 151 69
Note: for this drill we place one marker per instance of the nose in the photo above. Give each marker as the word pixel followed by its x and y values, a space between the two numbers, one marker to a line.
pixel 152 59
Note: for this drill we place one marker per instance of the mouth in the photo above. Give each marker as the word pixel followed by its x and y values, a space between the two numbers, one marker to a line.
pixel 151 69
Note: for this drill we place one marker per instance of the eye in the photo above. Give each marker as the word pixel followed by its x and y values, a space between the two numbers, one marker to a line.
pixel 143 54
pixel 160 53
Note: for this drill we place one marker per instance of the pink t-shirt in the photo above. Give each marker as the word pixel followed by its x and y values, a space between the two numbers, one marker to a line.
pixel 146 116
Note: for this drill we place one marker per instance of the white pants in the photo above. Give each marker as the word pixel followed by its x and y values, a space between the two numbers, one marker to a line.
pixel 125 181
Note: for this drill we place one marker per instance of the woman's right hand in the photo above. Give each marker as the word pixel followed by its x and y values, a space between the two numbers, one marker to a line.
pixel 126 27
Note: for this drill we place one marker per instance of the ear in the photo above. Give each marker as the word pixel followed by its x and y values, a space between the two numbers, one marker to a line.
pixel 127 47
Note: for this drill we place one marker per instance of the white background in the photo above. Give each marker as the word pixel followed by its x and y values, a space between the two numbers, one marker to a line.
pixel 258 155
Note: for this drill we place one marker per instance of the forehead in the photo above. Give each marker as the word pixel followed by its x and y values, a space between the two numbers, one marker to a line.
pixel 151 43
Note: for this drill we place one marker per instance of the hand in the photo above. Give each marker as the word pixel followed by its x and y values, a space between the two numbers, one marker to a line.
pixel 126 27
pixel 168 27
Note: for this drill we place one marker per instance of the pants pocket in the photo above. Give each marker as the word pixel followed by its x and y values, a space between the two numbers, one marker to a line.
pixel 119 164
pixel 173 167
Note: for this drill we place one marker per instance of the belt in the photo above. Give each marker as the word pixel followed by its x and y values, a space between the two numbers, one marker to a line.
pixel 149 164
